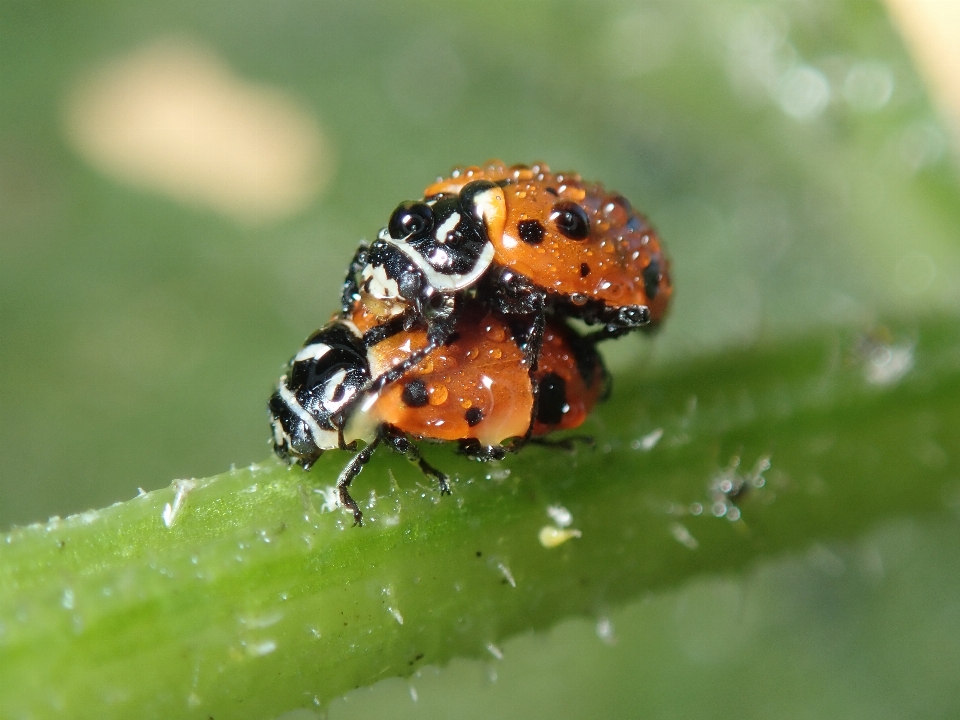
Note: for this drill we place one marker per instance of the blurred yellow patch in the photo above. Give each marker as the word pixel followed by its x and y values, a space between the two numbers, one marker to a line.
pixel 174 119
pixel 551 537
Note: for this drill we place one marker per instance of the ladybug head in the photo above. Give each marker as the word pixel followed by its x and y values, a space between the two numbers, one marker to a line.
pixel 306 410
pixel 447 236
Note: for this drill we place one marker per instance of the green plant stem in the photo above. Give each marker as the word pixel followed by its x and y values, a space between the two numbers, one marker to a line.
pixel 255 600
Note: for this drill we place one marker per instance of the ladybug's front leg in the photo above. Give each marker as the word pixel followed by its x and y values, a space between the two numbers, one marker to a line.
pixel 347 475
pixel 517 297
pixel 351 286
pixel 441 321
pixel 403 445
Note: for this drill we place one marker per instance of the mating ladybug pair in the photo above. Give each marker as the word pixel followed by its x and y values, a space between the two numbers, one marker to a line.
pixel 453 323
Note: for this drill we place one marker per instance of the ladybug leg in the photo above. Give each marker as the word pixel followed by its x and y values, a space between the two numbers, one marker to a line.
pixel 440 328
pixel 620 321
pixel 398 370
pixel 384 330
pixel 516 296
pixel 347 475
pixel 381 381
pixel 351 289
pixel 403 445
pixel 484 453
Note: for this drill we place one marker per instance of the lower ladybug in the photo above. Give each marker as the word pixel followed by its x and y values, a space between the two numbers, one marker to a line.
pixel 475 390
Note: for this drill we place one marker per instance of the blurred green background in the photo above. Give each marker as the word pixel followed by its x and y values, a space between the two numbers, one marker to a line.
pixel 153 282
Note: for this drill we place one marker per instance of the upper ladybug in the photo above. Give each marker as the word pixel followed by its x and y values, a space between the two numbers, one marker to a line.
pixel 582 244
pixel 528 242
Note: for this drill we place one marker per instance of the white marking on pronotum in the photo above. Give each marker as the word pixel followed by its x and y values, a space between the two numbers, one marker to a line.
pixel 379 284
pixel 330 389
pixel 443 281
pixel 351 326
pixel 171 512
pixel 488 203
pixel 279 434
pixel 312 352
pixel 507 574
pixel 323 439
pixel 448 225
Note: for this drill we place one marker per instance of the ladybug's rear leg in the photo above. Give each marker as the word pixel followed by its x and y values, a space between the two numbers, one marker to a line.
pixel 403 445
pixel 347 475
pixel 620 321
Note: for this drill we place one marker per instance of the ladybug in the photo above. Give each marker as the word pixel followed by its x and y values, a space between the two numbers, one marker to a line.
pixel 531 242
pixel 476 390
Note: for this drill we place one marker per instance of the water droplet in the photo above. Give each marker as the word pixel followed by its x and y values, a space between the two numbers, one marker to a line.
pixel 560 515
pixel 605 631
pixel 578 299
pixel 437 394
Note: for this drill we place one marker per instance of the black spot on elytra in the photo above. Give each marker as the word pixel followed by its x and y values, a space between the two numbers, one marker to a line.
pixel 531 231
pixel 553 191
pixel 571 220
pixel 473 416
pixel 551 399
pixel 584 269
pixel 651 278
pixel 414 394
pixel 454 336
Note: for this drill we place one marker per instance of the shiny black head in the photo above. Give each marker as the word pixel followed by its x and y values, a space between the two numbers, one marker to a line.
pixel 308 410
